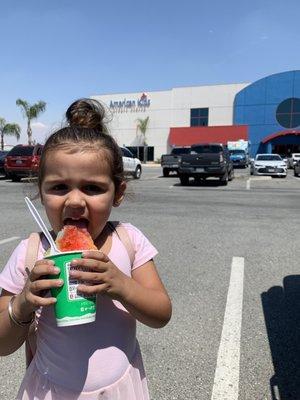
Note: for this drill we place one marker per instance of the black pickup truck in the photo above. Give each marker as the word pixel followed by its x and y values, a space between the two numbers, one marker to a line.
pixel 169 162
pixel 204 161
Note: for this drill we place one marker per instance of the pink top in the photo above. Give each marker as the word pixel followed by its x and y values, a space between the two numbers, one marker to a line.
pixel 90 356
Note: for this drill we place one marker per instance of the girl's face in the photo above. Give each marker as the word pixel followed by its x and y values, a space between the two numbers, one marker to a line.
pixel 77 189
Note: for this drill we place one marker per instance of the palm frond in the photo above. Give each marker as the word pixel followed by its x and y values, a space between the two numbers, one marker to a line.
pixel 12 130
pixel 2 123
pixel 24 106
pixel 36 109
pixel 142 124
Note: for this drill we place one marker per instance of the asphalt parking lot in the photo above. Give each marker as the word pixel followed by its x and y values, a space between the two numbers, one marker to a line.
pixel 228 256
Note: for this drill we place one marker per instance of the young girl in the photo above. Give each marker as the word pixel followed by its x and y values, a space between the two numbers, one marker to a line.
pixel 80 180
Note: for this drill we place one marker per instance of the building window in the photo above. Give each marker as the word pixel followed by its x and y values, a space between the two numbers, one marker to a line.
pixel 288 113
pixel 199 116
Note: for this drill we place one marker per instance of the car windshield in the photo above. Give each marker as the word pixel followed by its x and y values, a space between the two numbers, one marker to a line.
pixel 269 157
pixel 237 152
pixel 206 149
pixel 21 151
pixel 3 153
pixel 181 150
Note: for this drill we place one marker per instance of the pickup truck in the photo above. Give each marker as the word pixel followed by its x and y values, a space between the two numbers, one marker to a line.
pixel 205 161
pixel 169 162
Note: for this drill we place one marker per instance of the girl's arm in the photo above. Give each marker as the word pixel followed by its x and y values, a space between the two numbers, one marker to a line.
pixel 146 298
pixel 12 336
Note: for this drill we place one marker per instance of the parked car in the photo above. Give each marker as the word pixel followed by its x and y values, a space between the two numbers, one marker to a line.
pixel 3 154
pixel 239 158
pixel 204 161
pixel 22 161
pixel 132 165
pixel 169 162
pixel 268 164
pixel 292 160
pixel 297 168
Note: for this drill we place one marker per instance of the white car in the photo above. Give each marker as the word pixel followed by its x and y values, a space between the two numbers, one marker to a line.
pixel 132 165
pixel 293 159
pixel 268 164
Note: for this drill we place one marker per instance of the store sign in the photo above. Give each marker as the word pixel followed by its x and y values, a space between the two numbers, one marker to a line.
pixel 125 105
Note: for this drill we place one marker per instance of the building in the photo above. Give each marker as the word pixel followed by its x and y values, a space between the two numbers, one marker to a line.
pixel 266 113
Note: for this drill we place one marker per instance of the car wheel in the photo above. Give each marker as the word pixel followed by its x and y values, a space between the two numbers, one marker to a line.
pixel 184 180
pixel 138 172
pixel 15 178
pixel 231 176
pixel 198 180
pixel 224 179
pixel 165 172
pixel 295 173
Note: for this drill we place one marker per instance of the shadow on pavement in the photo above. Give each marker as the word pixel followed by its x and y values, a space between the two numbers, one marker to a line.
pixel 281 306
pixel 204 182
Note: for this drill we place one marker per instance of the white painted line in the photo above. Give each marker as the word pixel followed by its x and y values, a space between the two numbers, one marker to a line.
pixel 9 239
pixel 226 382
pixel 171 187
pixel 248 184
pixel 261 178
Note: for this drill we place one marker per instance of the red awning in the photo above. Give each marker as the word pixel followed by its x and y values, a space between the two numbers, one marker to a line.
pixel 279 134
pixel 187 136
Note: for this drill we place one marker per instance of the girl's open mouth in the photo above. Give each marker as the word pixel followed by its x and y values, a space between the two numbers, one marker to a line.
pixel 80 223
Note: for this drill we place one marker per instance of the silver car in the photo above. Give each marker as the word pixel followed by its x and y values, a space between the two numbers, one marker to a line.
pixel 132 165
pixel 293 159
pixel 268 164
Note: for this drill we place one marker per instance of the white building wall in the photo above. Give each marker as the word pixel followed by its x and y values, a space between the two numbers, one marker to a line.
pixel 169 109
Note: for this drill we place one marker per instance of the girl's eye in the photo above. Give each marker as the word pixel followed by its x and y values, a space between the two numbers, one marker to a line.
pixel 93 189
pixel 59 187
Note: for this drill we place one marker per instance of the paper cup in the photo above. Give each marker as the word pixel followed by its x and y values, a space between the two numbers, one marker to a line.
pixel 70 308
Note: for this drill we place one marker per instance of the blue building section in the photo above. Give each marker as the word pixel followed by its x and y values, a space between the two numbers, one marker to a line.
pixel 271 109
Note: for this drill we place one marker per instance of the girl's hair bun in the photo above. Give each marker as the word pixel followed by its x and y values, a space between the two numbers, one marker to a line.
pixel 87 113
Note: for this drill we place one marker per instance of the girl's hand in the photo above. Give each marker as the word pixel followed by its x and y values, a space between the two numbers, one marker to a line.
pixel 36 287
pixel 101 275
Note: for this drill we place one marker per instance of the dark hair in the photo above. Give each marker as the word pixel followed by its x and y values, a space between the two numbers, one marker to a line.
pixel 86 130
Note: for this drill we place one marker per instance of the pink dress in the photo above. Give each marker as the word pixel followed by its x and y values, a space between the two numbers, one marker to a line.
pixel 99 360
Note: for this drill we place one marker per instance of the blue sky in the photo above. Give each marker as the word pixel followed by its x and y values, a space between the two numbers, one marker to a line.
pixel 61 50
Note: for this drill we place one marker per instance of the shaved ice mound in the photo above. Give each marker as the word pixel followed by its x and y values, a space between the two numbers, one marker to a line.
pixel 72 238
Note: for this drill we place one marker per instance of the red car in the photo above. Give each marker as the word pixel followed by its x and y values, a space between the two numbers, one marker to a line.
pixel 22 161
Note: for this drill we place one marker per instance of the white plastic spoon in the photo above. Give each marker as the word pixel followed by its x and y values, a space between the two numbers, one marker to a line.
pixel 41 224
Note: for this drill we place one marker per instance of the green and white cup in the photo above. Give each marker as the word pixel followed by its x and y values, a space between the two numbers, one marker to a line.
pixel 70 308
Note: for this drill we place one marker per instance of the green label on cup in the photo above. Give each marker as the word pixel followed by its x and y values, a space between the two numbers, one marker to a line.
pixel 70 308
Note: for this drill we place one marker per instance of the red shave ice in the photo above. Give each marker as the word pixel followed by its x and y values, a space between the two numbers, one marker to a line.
pixel 74 238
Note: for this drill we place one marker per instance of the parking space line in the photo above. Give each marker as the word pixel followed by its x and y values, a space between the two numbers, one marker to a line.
pixel 226 381
pixel 248 184
pixel 9 239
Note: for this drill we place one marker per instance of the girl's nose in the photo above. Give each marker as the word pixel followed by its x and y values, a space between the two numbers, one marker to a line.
pixel 75 199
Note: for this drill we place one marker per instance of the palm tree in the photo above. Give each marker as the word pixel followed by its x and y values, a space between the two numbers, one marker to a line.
pixel 8 129
pixel 31 112
pixel 142 125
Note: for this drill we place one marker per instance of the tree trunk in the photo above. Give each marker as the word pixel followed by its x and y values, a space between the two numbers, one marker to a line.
pixel 2 141
pixel 29 132
pixel 145 150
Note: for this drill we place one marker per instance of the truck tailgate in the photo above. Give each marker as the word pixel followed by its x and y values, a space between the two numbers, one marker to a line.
pixel 169 159
pixel 203 159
